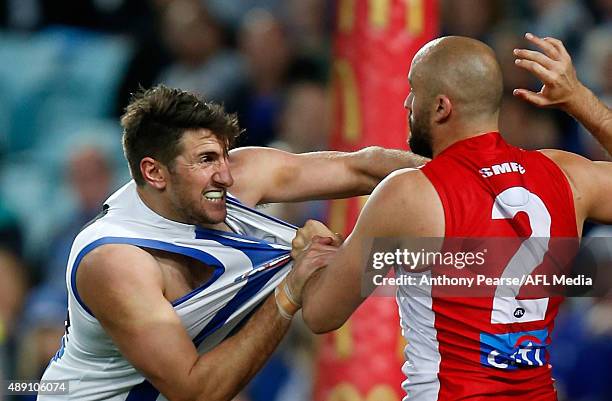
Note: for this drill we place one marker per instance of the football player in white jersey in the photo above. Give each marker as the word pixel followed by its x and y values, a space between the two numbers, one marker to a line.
pixel 128 338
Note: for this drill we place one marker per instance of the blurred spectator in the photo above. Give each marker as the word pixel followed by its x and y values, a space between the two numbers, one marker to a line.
pixel 308 27
pixel 116 16
pixel 202 62
pixel 566 20
pixel 11 236
pixel 90 176
pixel 12 292
pixel 304 127
pixel 602 10
pixel 264 44
pixel 233 12
pixel 43 326
pixel 504 39
pixel 305 118
pixel 523 125
pixel 113 16
pixel 582 350
pixel 596 49
pixel 23 15
pixel 582 339
pixel 473 18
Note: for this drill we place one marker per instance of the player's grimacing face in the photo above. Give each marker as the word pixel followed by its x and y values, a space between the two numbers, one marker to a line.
pixel 199 179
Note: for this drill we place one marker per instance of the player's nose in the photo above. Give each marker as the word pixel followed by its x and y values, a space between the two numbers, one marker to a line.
pixel 223 175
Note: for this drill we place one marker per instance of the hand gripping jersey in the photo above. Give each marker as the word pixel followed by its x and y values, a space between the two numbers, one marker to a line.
pixel 248 264
pixel 488 347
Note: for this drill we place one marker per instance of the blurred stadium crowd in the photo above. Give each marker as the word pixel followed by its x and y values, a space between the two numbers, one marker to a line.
pixel 67 69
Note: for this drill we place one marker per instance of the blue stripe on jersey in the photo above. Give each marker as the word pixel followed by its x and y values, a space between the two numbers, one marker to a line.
pixel 231 197
pixel 143 392
pixel 60 352
pixel 252 287
pixel 202 256
pixel 212 231
pixel 258 252
pixel 245 207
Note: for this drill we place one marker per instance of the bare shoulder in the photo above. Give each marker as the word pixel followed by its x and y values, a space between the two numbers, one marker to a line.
pixel 575 167
pixel 408 204
pixel 240 156
pixel 248 167
pixel 114 270
pixel 565 159
pixel 590 182
pixel 406 185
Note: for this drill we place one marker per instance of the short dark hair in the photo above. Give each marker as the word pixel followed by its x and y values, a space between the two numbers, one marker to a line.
pixel 155 120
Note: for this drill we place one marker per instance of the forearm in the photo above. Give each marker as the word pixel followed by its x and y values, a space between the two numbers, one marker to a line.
pixel 225 370
pixel 593 114
pixel 319 317
pixel 375 163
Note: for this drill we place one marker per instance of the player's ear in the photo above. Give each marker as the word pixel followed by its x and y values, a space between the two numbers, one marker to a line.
pixel 154 173
pixel 443 109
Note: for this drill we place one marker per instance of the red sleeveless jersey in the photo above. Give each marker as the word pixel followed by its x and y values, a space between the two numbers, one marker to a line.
pixel 489 346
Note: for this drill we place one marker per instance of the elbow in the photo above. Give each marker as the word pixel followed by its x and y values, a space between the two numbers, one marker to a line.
pixel 200 391
pixel 368 168
pixel 320 322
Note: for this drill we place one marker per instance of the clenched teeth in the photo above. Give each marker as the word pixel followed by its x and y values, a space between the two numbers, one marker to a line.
pixel 214 196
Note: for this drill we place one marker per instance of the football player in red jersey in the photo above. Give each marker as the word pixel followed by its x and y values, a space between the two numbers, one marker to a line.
pixel 476 186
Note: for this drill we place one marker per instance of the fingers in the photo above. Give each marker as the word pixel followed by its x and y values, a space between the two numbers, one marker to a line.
pixel 317 256
pixel 534 56
pixel 558 45
pixel 531 97
pixel 320 245
pixel 338 239
pixel 313 229
pixel 538 70
pixel 548 46
pixel 322 240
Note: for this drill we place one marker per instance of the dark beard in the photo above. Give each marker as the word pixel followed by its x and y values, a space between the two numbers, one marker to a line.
pixel 420 139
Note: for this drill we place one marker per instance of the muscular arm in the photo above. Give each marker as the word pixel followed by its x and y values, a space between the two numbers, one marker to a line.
pixel 562 89
pixel 591 184
pixel 263 175
pixel 403 205
pixel 593 114
pixel 129 303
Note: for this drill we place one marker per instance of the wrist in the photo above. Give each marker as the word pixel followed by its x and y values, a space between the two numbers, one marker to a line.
pixel 577 102
pixel 285 301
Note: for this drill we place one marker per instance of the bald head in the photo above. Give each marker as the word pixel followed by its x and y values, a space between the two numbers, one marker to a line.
pixel 463 69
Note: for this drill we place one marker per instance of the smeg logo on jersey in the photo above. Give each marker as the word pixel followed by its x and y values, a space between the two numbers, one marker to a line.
pixel 503 168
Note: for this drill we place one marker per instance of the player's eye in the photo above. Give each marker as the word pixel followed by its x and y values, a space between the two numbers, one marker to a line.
pixel 209 158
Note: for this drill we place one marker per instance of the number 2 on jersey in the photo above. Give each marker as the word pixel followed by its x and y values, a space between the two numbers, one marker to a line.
pixel 507 309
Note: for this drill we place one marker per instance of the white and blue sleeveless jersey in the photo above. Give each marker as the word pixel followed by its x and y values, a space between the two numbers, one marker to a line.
pixel 248 264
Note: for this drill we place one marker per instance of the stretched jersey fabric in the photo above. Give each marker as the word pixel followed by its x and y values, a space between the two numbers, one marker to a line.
pixel 488 347
pixel 248 264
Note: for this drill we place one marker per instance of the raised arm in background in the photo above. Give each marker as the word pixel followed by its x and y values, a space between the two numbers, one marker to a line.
pixel 562 89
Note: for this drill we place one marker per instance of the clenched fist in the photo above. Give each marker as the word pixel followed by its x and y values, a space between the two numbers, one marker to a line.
pixel 311 229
